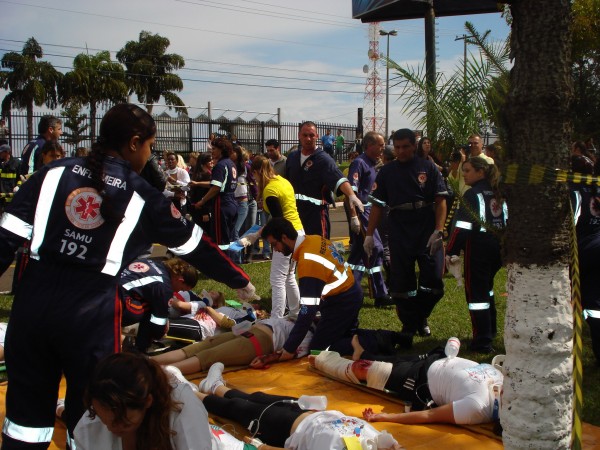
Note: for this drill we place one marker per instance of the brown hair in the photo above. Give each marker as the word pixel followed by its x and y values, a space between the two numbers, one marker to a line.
pixel 125 381
pixel 491 172
pixel 179 267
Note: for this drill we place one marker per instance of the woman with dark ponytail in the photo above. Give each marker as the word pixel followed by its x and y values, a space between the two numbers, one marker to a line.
pixel 482 213
pixel 87 219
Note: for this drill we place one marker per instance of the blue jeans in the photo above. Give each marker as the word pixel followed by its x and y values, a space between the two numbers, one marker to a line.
pixel 262 219
pixel 241 218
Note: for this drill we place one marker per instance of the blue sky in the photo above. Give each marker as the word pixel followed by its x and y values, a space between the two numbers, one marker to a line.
pixel 260 42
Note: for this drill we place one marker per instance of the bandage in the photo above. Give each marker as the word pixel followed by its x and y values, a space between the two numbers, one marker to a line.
pixel 333 364
pixel 378 374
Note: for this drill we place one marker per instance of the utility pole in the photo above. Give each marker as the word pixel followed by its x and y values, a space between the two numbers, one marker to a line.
pixel 387 80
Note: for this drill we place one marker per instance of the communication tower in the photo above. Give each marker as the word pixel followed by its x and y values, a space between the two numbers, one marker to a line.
pixel 374 103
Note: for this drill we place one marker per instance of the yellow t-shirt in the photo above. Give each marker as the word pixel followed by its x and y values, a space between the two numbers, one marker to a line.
pixel 281 189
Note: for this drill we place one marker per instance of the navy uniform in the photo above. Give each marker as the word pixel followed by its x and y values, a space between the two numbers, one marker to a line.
pixel 66 311
pixel 410 189
pixel 224 176
pixel 314 182
pixel 145 290
pixel 481 257
pixel 587 217
pixel 327 285
pixel 31 157
pixel 361 175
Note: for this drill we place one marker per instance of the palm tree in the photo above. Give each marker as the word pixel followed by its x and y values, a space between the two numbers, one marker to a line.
pixel 94 80
pixel 149 70
pixel 538 333
pixel 28 81
pixel 460 102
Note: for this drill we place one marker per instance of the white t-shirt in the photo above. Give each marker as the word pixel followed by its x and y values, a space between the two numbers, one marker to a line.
pixel 222 440
pixel 3 326
pixel 326 430
pixel 467 385
pixel 281 331
pixel 190 425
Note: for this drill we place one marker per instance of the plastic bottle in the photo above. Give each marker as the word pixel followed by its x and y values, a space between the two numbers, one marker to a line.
pixel 385 440
pixel 313 402
pixel 452 347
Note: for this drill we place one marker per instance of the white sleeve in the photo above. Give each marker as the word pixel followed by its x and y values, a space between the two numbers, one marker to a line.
pixel 191 423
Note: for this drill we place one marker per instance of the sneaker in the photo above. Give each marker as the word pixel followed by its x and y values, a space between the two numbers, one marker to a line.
pixel 60 408
pixel 384 301
pixel 213 380
pixel 176 374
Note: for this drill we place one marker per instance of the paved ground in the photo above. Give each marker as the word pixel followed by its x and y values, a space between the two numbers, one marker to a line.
pixel 339 231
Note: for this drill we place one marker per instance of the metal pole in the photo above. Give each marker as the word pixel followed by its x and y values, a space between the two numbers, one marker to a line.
pixel 387 88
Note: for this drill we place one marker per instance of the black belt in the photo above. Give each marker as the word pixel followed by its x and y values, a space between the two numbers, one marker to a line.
pixel 410 206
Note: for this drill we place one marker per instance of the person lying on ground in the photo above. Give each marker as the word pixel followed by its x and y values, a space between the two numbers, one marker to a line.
pixel 279 421
pixel 439 389
pixel 264 338
pixel 194 318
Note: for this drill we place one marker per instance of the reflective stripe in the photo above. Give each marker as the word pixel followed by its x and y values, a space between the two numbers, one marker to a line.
pixel 505 211
pixel 478 306
pixel 339 183
pixel 311 301
pixel 42 211
pixel 158 320
pixel 142 282
pixel 481 212
pixel 314 201
pixel 357 267
pixel 114 258
pixel 491 293
pixel 224 246
pixel 341 277
pixel 377 201
pixel 216 183
pixel 594 314
pixel 71 442
pixel 8 175
pixel 191 243
pixel 31 435
pixel 31 162
pixel 16 225
pixel 464 225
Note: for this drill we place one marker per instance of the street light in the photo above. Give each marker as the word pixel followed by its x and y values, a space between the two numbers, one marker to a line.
pixel 387 80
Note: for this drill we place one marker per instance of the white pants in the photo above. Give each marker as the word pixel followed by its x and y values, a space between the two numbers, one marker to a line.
pixel 284 285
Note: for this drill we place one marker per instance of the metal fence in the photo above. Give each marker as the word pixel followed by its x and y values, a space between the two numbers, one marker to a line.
pixel 183 134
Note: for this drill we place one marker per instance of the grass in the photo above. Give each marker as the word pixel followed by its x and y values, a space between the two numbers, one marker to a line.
pixel 450 318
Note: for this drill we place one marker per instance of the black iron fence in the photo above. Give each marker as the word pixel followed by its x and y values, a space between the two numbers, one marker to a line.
pixel 183 134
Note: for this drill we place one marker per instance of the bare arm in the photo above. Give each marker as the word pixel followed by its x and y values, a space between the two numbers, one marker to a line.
pixel 440 212
pixel 212 193
pixel 441 414
pixel 375 218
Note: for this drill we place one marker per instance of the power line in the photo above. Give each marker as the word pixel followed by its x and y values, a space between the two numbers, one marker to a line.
pixel 312 80
pixel 198 60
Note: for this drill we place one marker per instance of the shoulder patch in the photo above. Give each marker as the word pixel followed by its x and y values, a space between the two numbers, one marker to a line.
pixel 495 208
pixel 175 212
pixel 83 208
pixel 138 267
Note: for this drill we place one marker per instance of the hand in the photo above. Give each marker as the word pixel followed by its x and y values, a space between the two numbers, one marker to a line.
pixel 249 240
pixel 369 245
pixel 354 202
pixel 311 360
pixel 355 224
pixel 370 416
pixel 435 242
pixel 248 293
pixel 198 204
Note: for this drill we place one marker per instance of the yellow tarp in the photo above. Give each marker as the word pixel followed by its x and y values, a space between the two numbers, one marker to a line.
pixel 293 378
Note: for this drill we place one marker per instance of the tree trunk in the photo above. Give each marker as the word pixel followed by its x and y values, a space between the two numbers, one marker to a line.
pixel 537 402
pixel 30 121
pixel 149 107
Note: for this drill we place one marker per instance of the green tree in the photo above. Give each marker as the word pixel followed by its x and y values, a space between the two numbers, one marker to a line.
pixel 75 124
pixel 538 332
pixel 149 70
pixel 29 81
pixel 94 80
pixel 460 103
pixel 586 69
